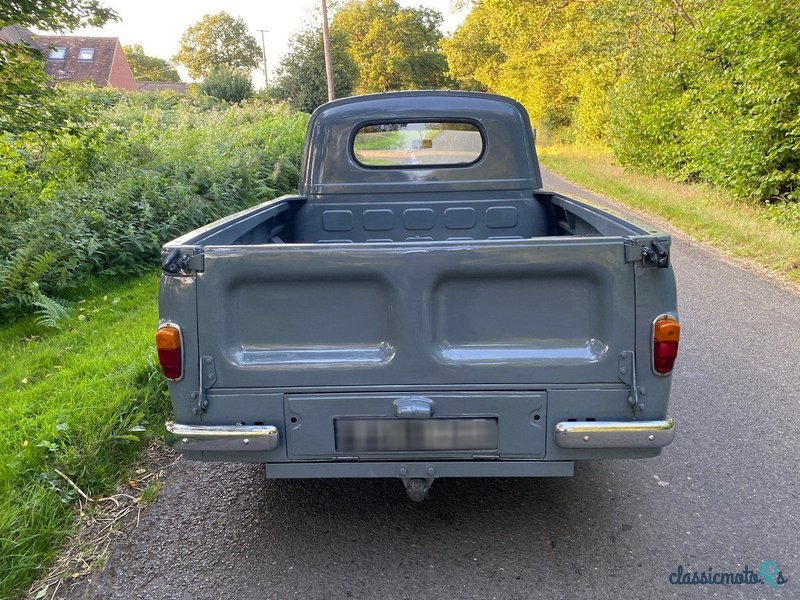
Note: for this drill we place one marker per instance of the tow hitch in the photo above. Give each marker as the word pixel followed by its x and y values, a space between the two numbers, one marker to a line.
pixel 417 488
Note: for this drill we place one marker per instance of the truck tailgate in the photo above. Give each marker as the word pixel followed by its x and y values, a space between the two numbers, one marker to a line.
pixel 494 312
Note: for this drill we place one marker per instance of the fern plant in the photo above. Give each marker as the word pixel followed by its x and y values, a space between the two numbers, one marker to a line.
pixel 49 311
pixel 20 274
pixel 20 288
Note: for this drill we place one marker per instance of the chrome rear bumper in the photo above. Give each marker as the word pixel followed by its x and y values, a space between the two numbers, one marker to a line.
pixel 615 434
pixel 239 438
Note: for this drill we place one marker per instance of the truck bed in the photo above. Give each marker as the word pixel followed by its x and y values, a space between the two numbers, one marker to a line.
pixel 293 220
pixel 287 293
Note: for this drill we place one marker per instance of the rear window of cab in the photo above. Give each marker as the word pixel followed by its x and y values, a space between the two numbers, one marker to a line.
pixel 418 144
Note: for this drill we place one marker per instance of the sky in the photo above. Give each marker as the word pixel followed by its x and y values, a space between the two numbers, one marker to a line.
pixel 158 24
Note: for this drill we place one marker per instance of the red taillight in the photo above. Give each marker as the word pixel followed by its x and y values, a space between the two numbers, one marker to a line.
pixel 666 336
pixel 170 352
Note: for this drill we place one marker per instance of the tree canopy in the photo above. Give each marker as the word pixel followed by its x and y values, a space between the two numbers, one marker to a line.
pixel 695 89
pixel 231 85
pixel 301 74
pixel 217 41
pixel 149 68
pixel 57 15
pixel 394 48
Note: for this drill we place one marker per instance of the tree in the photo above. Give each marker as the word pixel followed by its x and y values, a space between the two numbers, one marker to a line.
pixel 58 15
pixel 714 95
pixel 149 68
pixel 217 41
pixel 301 74
pixel 27 100
pixel 473 60
pixel 231 85
pixel 692 89
pixel 560 58
pixel 394 48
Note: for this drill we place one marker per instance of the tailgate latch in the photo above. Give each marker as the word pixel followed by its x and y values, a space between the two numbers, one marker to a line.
pixel 653 253
pixel 176 262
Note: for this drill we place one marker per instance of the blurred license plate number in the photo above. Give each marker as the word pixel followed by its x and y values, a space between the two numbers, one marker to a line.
pixel 389 435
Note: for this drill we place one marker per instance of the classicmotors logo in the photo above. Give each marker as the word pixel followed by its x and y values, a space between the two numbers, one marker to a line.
pixel 768 573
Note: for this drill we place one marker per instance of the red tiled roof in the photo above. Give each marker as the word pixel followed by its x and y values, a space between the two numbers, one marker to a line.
pixel 108 66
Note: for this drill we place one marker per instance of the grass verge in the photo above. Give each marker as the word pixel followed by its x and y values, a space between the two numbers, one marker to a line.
pixel 738 228
pixel 68 401
pixel 101 520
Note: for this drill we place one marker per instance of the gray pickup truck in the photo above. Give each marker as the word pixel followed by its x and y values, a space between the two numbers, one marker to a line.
pixel 422 309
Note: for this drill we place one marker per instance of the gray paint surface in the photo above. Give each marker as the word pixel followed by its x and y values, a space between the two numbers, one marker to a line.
pixel 723 495
pixel 378 282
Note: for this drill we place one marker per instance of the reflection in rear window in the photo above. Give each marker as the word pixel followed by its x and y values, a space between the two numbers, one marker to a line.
pixel 417 144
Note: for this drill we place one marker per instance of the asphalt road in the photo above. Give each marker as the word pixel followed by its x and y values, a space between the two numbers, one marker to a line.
pixel 724 495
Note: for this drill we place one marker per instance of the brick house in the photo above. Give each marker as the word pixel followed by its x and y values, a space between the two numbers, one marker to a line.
pixel 82 59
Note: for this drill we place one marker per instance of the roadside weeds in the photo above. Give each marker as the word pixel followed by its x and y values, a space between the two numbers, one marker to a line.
pixel 100 520
pixel 78 404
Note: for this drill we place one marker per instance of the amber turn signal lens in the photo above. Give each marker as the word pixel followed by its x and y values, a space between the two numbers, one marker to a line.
pixel 666 335
pixel 666 330
pixel 170 354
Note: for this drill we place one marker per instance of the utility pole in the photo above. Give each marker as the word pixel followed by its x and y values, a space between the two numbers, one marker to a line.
pixel 326 43
pixel 264 49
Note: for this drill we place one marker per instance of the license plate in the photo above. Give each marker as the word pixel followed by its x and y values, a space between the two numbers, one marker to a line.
pixel 391 435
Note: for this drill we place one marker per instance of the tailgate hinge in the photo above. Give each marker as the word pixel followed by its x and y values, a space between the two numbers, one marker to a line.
pixel 652 253
pixel 208 377
pixel 183 261
pixel 626 371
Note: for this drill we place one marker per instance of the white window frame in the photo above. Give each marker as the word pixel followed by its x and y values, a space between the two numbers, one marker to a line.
pixel 57 53
pixel 89 51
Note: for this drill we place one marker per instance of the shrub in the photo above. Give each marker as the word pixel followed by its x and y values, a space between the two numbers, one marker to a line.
pixel 718 101
pixel 230 85
pixel 103 198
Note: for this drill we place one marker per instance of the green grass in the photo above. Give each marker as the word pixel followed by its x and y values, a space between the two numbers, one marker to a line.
pixel 151 492
pixel 68 399
pixel 739 228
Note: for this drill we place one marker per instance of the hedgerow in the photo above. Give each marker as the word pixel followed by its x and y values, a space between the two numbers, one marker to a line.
pixel 699 90
pixel 718 101
pixel 130 171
